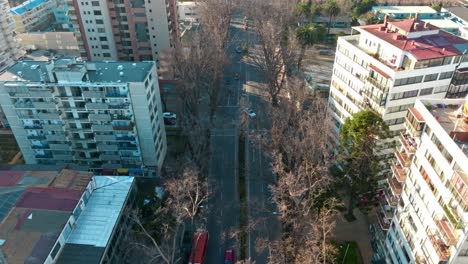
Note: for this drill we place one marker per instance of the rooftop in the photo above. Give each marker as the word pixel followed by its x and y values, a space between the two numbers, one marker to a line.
pixel 442 23
pixel 97 221
pixel 459 11
pixel 404 9
pixel 97 72
pixel 452 115
pixel 26 6
pixel 422 39
pixel 34 207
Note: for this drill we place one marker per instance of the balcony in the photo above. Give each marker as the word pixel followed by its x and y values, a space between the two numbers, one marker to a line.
pixel 457 185
pixel 40 146
pixel 122 117
pixel 99 117
pixel 441 249
pixel 56 137
pixel 93 94
pixel 115 94
pixel 104 137
pixel 377 84
pixel 105 147
pixel 414 122
pixel 399 172
pixel 447 234
pixel 52 127
pixel 59 147
pixel 36 137
pixel 101 128
pixel 386 209
pixel 453 217
pixel 383 222
pixel 37 126
pixel 395 186
pixel 49 116
pixel 97 106
pixel 109 157
pixel 126 138
pixel 44 105
pixel 43 156
pixel 127 127
pixel 408 143
pixel 119 106
pixel 403 159
pixel 392 200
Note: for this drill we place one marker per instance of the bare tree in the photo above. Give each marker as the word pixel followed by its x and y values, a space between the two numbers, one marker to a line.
pixel 277 47
pixel 187 193
pixel 296 144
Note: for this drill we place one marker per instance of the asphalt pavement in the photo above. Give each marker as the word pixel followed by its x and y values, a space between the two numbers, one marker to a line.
pixel 223 207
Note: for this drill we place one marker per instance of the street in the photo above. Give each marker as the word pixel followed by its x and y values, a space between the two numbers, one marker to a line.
pixel 224 208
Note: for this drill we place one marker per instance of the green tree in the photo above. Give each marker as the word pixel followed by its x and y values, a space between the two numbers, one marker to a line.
pixel 437 7
pixel 363 6
pixel 308 36
pixel 359 135
pixel 371 18
pixel 331 9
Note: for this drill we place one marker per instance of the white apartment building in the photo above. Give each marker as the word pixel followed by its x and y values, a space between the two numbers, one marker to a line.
pixel 105 115
pixel 188 11
pixel 387 66
pixel 424 216
pixel 33 15
pixel 127 30
pixel 10 48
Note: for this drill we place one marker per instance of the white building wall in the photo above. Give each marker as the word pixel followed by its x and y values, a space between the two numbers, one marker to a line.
pixel 157 14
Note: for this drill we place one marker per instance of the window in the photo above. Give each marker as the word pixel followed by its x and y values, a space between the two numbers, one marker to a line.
pixel 102 38
pixel 431 77
pixel 410 80
pixel 105 46
pixel 94 3
pixel 56 250
pixel 426 91
pixel 395 121
pixel 445 75
pixel 397 96
pixel 447 60
pixel 99 21
pixel 400 108
pixel 97 13
pixel 105 54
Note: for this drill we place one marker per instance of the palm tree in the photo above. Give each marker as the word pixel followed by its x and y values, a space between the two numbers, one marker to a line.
pixel 332 9
pixel 308 36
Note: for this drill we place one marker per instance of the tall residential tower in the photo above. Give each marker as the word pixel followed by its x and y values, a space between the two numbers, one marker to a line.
pixel 98 114
pixel 124 30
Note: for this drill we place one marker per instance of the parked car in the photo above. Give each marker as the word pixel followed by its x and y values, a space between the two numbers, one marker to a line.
pixel 169 115
pixel 238 49
pixel 229 256
pixel 236 76
pixel 250 113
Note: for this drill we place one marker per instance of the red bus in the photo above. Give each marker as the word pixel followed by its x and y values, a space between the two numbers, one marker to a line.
pixel 200 243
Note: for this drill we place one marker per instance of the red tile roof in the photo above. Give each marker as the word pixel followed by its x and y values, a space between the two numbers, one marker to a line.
pixel 49 198
pixel 379 71
pixel 10 178
pixel 424 47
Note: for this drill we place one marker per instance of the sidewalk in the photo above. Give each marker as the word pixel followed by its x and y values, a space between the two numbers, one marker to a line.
pixel 355 231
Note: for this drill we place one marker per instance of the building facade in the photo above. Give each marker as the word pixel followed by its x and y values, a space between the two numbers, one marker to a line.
pixel 62 18
pixel 49 40
pixel 105 115
pixel 188 12
pixel 387 66
pixel 10 48
pixel 34 15
pixel 123 30
pixel 424 216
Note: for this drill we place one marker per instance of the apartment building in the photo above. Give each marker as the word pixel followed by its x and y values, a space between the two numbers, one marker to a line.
pixel 424 215
pixel 124 30
pixel 64 216
pixel 105 115
pixel 10 48
pixel 34 15
pixel 387 66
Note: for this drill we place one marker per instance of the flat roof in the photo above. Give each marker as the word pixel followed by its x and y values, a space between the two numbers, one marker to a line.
pixel 26 6
pixel 97 221
pixel 459 11
pixel 34 207
pixel 442 23
pixel 404 9
pixel 98 72
pixel 434 44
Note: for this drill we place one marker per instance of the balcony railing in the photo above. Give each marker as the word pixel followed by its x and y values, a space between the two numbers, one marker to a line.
pixel 403 158
pixel 453 217
pixel 399 172
pixel 36 137
pixel 408 143
pixel 391 199
pixel 386 209
pixel 395 186
pixel 441 249
pixel 384 223
pixel 377 84
pixel 128 127
pixel 32 127
pixel 460 196
pixel 448 236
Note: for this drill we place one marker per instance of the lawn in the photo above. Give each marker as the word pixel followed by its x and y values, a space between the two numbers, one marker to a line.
pixel 348 253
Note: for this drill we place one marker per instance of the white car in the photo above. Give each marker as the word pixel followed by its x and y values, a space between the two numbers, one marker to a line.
pixel 250 113
pixel 169 115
